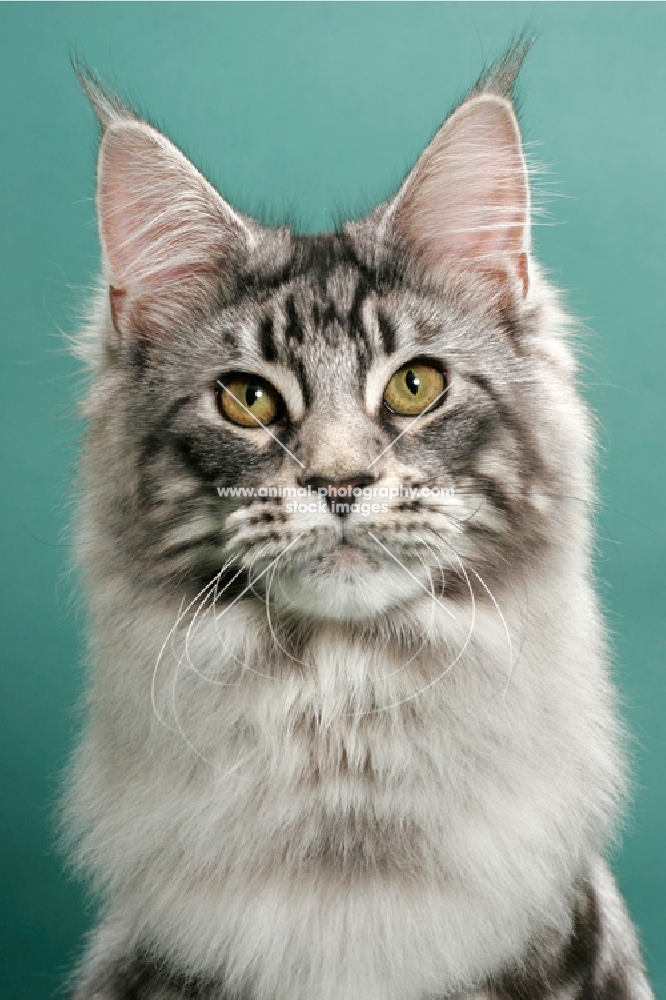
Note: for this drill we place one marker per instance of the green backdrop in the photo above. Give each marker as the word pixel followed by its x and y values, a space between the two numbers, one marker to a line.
pixel 312 108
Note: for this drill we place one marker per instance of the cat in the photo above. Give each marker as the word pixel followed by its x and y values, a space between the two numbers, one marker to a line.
pixel 350 730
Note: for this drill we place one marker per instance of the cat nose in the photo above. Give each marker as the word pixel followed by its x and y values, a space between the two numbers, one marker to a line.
pixel 340 492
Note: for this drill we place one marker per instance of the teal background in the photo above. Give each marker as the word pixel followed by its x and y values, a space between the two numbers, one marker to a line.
pixel 311 108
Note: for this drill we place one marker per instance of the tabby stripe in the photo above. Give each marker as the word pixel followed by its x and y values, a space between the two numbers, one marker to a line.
pixel 293 329
pixel 520 429
pixel 267 340
pixel 189 455
pixel 613 987
pixel 356 329
pixel 331 316
pixel 258 286
pixel 154 442
pixel 574 967
pixel 387 331
pixel 210 538
pixel 493 493
pixel 299 370
pixel 141 977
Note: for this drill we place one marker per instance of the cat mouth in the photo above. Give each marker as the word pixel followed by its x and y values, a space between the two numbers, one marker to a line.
pixel 345 555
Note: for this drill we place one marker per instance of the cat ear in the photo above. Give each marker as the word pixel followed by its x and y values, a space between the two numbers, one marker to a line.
pixel 169 240
pixel 467 198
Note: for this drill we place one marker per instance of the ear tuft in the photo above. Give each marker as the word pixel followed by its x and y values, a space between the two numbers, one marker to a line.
pixel 106 104
pixel 500 77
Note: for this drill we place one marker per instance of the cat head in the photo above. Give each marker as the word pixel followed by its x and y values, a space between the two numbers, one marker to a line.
pixel 351 420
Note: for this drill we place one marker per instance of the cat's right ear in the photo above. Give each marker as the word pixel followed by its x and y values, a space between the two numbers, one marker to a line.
pixel 465 205
pixel 466 202
pixel 170 242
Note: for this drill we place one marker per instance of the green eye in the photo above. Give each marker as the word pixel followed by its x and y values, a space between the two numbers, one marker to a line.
pixel 248 400
pixel 413 388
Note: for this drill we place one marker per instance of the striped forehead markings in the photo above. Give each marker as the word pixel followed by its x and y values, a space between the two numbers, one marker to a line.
pixel 356 328
pixel 293 328
pixel 386 331
pixel 322 316
pixel 330 316
pixel 267 339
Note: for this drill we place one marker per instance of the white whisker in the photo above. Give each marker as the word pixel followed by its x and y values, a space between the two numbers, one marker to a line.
pixel 170 640
pixel 410 574
pixel 459 655
pixel 277 642
pixel 506 629
pixel 425 634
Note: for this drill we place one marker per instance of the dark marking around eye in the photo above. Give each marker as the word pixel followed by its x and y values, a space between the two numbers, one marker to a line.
pixel 299 370
pixel 482 383
pixel 293 329
pixel 266 339
pixel 387 332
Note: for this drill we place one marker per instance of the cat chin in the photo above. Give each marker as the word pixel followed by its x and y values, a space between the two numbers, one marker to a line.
pixel 343 590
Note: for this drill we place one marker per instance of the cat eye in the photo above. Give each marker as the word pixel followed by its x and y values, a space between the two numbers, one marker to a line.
pixel 414 387
pixel 248 400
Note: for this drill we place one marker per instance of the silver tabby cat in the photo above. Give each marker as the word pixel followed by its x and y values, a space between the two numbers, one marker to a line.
pixel 350 732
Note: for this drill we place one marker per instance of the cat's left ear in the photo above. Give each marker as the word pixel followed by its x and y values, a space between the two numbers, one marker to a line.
pixel 466 202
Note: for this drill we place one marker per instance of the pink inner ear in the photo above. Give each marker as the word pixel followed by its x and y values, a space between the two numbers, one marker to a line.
pixel 467 197
pixel 160 221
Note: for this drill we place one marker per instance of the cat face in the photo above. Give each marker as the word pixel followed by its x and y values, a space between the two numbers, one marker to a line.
pixel 347 422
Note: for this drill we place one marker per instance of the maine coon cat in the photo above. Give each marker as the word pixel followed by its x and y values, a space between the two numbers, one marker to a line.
pixel 350 730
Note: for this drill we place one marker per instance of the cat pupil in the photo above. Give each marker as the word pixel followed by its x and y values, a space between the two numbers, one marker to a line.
pixel 252 394
pixel 412 382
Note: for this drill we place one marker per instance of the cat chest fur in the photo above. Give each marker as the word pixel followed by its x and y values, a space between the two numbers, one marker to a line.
pixel 298 797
